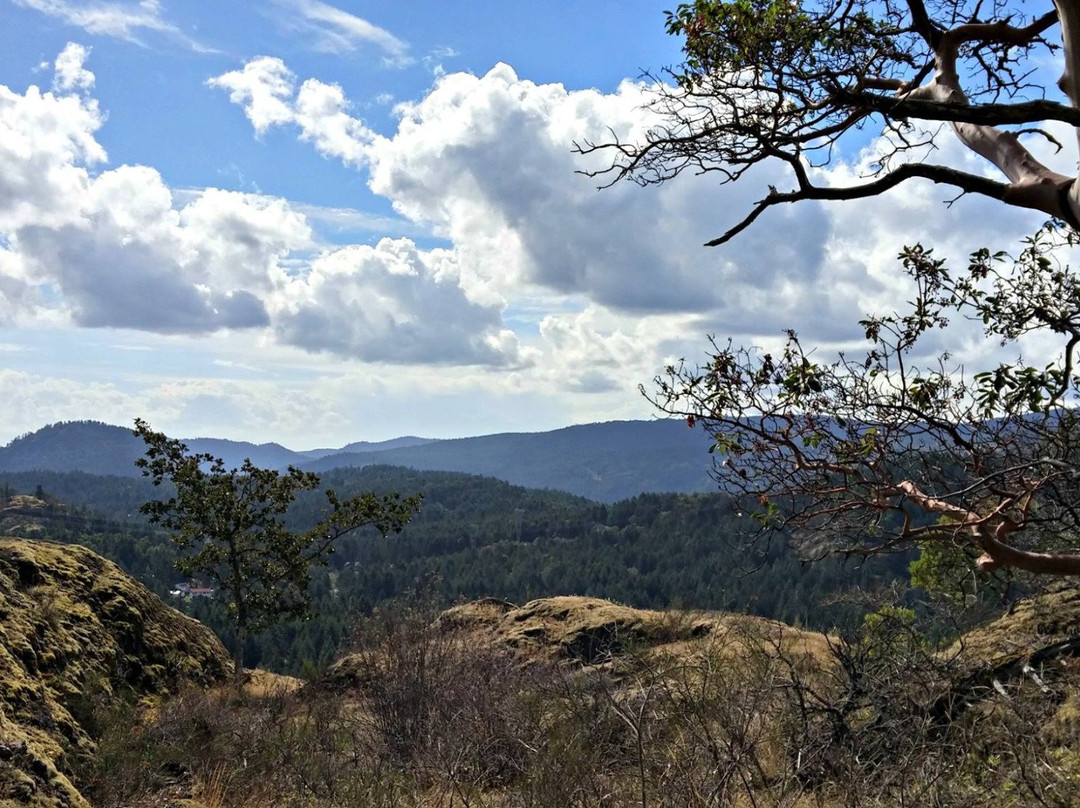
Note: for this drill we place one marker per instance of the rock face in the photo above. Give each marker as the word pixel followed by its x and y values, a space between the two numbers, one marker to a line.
pixel 75 630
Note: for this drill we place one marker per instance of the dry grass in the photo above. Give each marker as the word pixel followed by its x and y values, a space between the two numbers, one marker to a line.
pixel 578 703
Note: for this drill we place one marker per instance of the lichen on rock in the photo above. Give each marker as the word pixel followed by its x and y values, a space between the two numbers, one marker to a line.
pixel 74 626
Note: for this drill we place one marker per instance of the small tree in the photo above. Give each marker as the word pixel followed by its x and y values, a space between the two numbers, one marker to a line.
pixel 227 525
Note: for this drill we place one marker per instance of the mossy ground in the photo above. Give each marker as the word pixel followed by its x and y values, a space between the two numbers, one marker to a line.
pixel 77 633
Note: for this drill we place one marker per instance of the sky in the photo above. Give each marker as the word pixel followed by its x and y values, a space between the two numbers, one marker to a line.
pixel 315 223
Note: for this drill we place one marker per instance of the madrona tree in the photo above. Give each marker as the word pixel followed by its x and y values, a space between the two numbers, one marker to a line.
pixel 894 444
pixel 227 526
pixel 781 80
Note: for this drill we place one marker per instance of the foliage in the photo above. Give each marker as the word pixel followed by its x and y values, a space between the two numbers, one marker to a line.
pixel 878 451
pixel 78 634
pixel 439 713
pixel 227 526
pixel 896 445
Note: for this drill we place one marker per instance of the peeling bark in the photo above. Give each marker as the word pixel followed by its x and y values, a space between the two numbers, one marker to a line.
pixel 1069 18
pixel 1032 184
pixel 991 532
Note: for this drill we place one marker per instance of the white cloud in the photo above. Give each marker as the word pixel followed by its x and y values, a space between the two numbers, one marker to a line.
pixel 488 163
pixel 266 89
pixel 34 400
pixel 248 409
pixel 241 237
pixel 333 30
pixel 596 351
pixel 46 144
pixel 391 303
pixel 321 113
pixel 117 248
pixel 70 73
pixel 130 260
pixel 616 282
pixel 433 61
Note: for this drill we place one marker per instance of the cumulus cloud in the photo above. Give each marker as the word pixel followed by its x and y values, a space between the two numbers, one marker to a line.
pixel 46 144
pixel 391 302
pixel 263 87
pixel 618 279
pixel 128 260
pixel 70 74
pixel 333 30
pixel 593 352
pixel 266 89
pixel 117 248
pixel 486 162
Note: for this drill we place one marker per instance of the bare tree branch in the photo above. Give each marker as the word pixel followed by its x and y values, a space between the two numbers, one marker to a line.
pixel 968 183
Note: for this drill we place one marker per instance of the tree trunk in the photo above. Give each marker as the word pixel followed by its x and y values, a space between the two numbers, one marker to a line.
pixel 1069 15
pixel 238 653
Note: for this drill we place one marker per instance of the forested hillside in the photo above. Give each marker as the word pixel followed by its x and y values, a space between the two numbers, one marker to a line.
pixel 99 448
pixel 477 537
pixel 605 462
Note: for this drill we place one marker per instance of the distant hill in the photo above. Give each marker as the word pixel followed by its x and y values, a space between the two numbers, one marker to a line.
pixel 74 446
pixel 99 448
pixel 604 462
pixel 265 455
pixel 368 446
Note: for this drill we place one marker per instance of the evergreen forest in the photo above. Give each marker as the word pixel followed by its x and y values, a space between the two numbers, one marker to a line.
pixel 476 537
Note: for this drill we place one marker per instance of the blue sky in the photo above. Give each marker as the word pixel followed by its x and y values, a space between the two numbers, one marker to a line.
pixel 316 223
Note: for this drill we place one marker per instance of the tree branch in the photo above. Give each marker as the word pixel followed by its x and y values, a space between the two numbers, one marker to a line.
pixel 990 532
pixel 968 183
pixel 984 114
pixel 924 26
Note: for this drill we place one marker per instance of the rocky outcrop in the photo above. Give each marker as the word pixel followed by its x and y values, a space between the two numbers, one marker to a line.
pixel 77 633
pixel 590 631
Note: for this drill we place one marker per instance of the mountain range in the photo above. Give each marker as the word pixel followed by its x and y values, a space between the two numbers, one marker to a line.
pixel 605 462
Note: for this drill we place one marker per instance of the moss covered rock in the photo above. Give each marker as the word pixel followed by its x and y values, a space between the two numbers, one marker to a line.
pixel 76 632
pixel 591 631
